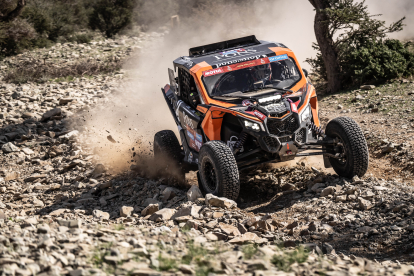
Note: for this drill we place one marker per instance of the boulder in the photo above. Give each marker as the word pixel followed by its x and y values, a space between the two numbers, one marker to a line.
pixel 247 237
pixel 162 215
pixel 98 214
pixel 75 223
pixel 367 87
pixel 229 229
pixel 51 113
pixel 328 191
pixel 221 202
pixel 364 204
pixel 126 211
pixel 194 193
pixel 150 209
pixel 188 211
pixel 168 193
pixel 9 147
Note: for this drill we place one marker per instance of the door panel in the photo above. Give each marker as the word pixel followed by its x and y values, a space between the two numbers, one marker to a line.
pixel 190 122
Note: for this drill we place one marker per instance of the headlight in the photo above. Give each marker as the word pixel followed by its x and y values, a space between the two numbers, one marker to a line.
pixel 269 99
pixel 306 114
pixel 251 125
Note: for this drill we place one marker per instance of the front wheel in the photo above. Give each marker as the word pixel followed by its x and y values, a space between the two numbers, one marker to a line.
pixel 351 145
pixel 218 171
pixel 167 154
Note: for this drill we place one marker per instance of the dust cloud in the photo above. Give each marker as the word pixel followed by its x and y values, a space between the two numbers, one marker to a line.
pixel 134 113
pixel 394 10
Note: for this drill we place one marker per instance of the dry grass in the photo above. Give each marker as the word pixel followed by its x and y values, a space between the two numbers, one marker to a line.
pixel 41 71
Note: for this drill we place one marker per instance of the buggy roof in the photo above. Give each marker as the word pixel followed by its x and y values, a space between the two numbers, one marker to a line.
pixel 227 52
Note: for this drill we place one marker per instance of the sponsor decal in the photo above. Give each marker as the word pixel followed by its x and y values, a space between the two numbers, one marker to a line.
pixel 235 53
pixel 192 144
pixel 232 142
pixel 246 103
pixel 190 135
pixel 166 88
pixel 196 140
pixel 232 51
pixel 278 58
pixel 188 122
pixel 237 66
pixel 177 109
pixel 198 145
pixel 259 115
pixel 213 72
pixel 230 62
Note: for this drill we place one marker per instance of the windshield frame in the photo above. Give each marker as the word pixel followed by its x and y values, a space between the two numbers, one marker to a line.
pixel 269 60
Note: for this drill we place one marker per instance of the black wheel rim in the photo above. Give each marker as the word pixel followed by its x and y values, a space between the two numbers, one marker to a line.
pixel 341 149
pixel 210 176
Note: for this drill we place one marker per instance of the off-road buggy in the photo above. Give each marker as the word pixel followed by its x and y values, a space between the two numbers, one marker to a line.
pixel 244 102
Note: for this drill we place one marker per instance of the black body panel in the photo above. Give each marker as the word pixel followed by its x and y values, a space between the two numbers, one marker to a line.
pixel 229 55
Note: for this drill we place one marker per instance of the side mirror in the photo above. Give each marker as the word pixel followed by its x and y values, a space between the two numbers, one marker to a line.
pixel 305 72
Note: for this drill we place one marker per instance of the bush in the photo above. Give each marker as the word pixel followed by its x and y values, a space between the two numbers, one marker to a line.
pixel 14 36
pixel 377 61
pixel 286 258
pixel 111 16
pixel 370 61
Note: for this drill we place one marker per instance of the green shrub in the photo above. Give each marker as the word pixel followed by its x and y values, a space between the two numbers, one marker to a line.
pixel 111 16
pixel 249 250
pixel 284 260
pixel 14 36
pixel 57 18
pixel 377 61
pixel 370 61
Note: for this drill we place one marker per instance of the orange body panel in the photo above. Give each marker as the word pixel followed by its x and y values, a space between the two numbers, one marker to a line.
pixel 214 118
pixel 315 111
pixel 202 109
pixel 212 124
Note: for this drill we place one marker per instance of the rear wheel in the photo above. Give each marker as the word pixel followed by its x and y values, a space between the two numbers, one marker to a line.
pixel 167 154
pixel 218 171
pixel 352 146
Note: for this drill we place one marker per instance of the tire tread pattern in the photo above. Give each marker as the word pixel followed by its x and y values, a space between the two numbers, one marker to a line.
pixel 357 142
pixel 168 142
pixel 226 163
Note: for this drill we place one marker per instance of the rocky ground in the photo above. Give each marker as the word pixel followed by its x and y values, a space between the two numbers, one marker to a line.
pixel 385 113
pixel 62 212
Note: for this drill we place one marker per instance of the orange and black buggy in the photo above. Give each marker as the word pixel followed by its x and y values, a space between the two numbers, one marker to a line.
pixel 243 102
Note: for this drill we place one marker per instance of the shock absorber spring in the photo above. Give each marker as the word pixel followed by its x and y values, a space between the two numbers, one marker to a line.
pixel 240 142
pixel 316 130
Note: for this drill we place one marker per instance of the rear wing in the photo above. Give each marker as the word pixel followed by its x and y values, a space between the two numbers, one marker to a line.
pixel 228 44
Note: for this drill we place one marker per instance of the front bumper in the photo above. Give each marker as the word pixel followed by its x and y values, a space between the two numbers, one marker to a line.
pixel 282 136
